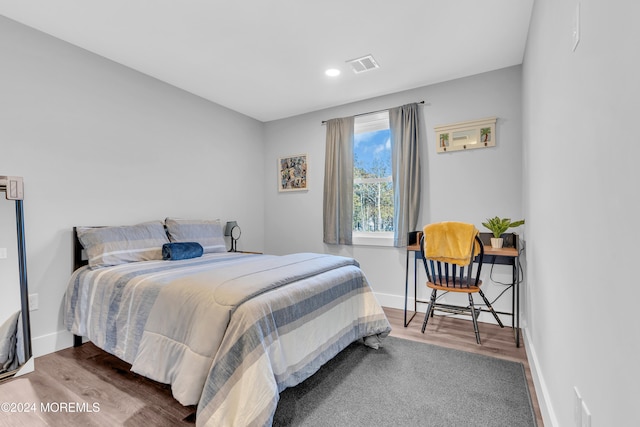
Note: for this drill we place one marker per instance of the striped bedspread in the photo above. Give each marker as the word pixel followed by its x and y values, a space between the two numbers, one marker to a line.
pixel 227 331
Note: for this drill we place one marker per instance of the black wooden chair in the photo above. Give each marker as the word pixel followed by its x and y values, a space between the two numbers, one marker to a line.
pixel 453 277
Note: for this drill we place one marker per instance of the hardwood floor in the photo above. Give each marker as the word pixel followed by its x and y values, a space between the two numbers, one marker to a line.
pixel 85 386
pixel 100 387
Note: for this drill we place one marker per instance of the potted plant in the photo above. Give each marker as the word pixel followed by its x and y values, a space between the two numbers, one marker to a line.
pixel 498 226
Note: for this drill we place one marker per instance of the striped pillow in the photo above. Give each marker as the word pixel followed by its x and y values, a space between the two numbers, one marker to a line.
pixel 107 246
pixel 206 232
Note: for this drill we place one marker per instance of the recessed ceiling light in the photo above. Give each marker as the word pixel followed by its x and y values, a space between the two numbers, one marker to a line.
pixel 332 72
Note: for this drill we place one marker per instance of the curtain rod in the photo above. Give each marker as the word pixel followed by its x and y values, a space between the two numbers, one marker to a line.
pixel 371 112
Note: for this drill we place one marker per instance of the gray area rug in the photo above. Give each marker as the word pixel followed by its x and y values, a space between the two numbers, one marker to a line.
pixel 407 383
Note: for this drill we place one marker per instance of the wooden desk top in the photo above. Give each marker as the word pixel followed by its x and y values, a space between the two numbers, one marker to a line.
pixel 488 250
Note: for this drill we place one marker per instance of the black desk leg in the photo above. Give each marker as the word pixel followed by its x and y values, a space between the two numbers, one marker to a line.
pixel 406 292
pixel 406 288
pixel 415 283
pixel 516 296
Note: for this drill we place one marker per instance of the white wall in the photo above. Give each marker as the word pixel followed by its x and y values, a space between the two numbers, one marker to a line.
pixel 464 186
pixel 100 144
pixel 581 183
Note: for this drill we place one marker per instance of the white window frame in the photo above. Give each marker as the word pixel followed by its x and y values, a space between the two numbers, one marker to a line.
pixel 362 124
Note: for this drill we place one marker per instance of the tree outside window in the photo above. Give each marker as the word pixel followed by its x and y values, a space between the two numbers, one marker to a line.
pixel 373 185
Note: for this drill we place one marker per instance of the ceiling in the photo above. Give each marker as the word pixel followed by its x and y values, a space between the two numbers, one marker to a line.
pixel 266 58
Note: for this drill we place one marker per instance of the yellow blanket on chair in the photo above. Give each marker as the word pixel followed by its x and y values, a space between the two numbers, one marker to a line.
pixel 451 242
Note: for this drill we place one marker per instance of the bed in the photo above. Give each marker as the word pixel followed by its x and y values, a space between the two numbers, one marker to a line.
pixel 228 331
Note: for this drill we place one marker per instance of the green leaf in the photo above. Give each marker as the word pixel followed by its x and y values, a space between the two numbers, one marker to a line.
pixel 500 225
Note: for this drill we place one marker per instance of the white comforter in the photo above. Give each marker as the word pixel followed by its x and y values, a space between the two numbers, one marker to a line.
pixel 227 331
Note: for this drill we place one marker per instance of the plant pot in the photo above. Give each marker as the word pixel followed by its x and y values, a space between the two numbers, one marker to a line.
pixel 496 242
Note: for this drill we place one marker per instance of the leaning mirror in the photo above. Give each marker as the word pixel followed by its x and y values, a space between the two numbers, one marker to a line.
pixel 15 332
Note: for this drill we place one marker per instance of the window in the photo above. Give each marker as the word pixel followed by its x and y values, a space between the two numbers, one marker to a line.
pixel 382 148
pixel 372 182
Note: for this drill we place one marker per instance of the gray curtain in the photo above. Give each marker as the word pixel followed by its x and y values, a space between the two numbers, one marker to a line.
pixel 338 182
pixel 405 167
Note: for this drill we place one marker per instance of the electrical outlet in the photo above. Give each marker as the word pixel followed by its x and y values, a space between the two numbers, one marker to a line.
pixel 3 253
pixel 577 408
pixel 586 416
pixel 33 302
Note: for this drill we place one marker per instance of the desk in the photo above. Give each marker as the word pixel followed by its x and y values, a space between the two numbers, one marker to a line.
pixel 508 255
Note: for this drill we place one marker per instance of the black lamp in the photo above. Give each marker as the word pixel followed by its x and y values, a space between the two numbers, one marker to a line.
pixel 232 229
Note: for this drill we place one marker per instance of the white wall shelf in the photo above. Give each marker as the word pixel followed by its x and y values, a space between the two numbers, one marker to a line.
pixel 466 135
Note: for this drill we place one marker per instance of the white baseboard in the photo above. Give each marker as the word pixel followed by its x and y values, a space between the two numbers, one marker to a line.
pixel 392 301
pixel 544 401
pixel 51 343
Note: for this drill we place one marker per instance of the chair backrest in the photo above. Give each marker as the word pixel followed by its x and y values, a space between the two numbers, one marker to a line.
pixel 452 275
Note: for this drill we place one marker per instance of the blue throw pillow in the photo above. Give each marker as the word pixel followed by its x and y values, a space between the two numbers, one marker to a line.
pixel 181 250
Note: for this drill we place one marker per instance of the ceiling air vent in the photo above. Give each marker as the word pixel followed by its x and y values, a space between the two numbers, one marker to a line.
pixel 366 63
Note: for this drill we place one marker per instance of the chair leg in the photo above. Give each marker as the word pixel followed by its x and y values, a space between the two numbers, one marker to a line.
pixel 474 318
pixel 486 301
pixel 429 312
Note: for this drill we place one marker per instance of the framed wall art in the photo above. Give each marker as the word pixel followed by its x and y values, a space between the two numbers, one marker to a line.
pixel 292 173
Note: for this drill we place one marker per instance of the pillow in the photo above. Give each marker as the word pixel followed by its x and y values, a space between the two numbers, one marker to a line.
pixel 8 338
pixel 206 232
pixel 107 246
pixel 181 250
